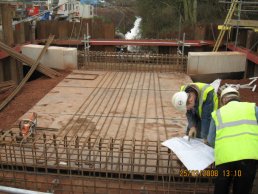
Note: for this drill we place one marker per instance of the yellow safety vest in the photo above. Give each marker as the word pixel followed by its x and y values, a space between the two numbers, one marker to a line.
pixel 203 90
pixel 236 132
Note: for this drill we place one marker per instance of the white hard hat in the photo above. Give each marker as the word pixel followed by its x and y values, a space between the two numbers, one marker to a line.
pixel 179 100
pixel 229 92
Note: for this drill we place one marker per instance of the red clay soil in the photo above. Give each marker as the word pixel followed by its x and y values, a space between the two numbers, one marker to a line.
pixel 29 95
pixel 33 91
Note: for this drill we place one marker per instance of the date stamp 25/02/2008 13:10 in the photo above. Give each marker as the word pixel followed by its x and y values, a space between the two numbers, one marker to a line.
pixel 210 173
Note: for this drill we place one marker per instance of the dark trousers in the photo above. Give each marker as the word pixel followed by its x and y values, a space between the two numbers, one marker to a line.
pixel 242 173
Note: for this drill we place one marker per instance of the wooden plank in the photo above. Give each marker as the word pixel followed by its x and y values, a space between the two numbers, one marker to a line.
pixel 4 54
pixel 26 78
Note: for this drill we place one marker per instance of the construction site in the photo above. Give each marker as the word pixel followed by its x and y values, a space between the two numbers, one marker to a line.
pixel 81 113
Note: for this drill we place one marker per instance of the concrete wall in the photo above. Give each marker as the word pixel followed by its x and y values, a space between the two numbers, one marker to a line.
pixel 55 57
pixel 215 62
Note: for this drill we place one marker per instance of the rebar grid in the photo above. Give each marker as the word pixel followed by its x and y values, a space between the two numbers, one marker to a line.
pixel 85 157
pixel 96 60
pixel 115 162
pixel 111 144
pixel 104 141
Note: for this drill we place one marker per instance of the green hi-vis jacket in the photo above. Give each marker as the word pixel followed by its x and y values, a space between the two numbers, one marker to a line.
pixel 203 90
pixel 236 132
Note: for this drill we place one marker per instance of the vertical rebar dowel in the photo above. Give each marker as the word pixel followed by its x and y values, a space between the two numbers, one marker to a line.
pixel 106 60
pixel 111 151
pixel 11 155
pixel 56 150
pixel 170 172
pixel 5 148
pixel 34 157
pixel 45 150
pixel 145 65
pixel 169 160
pixel 68 158
pixel 14 146
pixel 65 141
pixel 157 164
pixel 158 62
pixel 132 158
pixel 122 152
pixel 119 163
pixel 89 148
pixel 69 166
pixel 162 61
pixel 78 151
pixel 100 154
pixel 146 159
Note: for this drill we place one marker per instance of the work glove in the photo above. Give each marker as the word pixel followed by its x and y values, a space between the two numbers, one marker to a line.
pixel 192 132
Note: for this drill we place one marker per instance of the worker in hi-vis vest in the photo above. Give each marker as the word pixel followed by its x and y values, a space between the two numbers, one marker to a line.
pixel 234 135
pixel 198 100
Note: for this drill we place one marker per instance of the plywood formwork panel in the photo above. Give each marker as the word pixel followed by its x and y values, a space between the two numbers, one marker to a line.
pixel 118 105
pixel 62 101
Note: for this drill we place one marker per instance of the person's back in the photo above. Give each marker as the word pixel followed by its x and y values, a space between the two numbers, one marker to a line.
pixel 234 130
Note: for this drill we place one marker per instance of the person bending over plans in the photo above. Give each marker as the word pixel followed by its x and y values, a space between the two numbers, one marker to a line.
pixel 198 100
